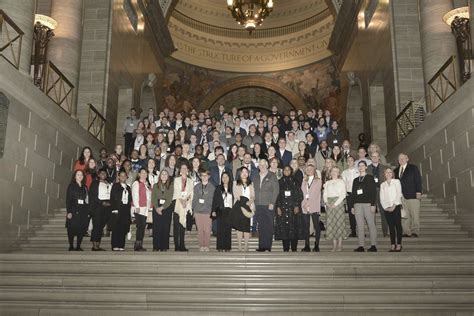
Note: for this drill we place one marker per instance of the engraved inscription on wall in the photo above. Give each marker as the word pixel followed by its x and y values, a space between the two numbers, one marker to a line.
pixel 3 122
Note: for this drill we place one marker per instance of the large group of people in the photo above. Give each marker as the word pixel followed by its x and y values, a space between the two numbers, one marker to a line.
pixel 271 175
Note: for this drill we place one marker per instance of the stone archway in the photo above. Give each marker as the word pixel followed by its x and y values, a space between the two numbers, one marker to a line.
pixel 252 81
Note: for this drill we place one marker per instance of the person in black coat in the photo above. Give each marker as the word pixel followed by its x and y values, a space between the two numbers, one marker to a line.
pixel 222 207
pixel 288 221
pixel 77 209
pixel 163 206
pixel 410 179
pixel 99 198
pixel 121 201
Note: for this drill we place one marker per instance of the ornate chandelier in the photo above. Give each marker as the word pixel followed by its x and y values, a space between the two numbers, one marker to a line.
pixel 250 13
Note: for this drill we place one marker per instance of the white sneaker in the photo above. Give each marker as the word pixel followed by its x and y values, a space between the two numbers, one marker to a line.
pixel 206 249
pixel 201 249
pixel 115 249
pixel 121 249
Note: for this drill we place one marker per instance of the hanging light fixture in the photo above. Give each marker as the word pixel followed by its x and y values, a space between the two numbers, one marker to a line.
pixel 250 13
pixel 42 33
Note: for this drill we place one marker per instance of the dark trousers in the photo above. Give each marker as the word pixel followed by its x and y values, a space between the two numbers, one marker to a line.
pixel 224 235
pixel 178 233
pixel 287 242
pixel 140 221
pixel 394 221
pixel 120 228
pixel 317 229
pixel 71 233
pixel 128 144
pixel 161 229
pixel 352 219
pixel 382 214
pixel 190 221
pixel 264 218
pixel 100 216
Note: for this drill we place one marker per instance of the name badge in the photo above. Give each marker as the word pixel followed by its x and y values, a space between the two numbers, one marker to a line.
pixel 162 201
pixel 252 145
pixel 115 212
pixel 79 201
pixel 201 201
pixel 335 141
pixel 183 194
pixel 376 180
pixel 287 193
pixel 131 124
pixel 226 204
pixel 307 196
pixel 124 201
pixel 360 191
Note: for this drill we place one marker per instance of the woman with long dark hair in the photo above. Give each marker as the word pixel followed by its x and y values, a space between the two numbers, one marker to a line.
pixel 162 202
pixel 222 207
pixel 77 209
pixel 82 162
pixel 121 200
pixel 244 207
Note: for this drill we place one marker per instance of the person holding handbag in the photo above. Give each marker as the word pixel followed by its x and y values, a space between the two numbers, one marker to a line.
pixel 391 200
pixel 162 198
pixel 244 207
pixel 141 204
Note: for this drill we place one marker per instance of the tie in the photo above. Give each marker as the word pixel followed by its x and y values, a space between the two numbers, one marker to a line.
pixel 402 169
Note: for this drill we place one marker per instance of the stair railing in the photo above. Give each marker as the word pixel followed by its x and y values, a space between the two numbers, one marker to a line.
pixel 96 123
pixel 409 118
pixel 11 37
pixel 443 84
pixel 57 87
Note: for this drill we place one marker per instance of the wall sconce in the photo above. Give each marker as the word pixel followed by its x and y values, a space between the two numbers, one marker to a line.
pixel 458 20
pixel 43 31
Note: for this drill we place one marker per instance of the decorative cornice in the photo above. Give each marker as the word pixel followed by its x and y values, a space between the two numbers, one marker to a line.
pixel 156 21
pixel 258 33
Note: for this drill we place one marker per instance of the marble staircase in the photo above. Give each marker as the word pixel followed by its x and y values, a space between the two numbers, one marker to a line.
pixel 432 276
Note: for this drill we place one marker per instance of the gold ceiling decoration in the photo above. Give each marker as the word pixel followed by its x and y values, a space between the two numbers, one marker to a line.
pixel 250 13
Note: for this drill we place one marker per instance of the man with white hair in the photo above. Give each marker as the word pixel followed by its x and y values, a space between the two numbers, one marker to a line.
pixel 410 178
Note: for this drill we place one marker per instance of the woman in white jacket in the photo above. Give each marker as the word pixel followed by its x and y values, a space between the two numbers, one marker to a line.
pixel 391 200
pixel 183 196
pixel 141 203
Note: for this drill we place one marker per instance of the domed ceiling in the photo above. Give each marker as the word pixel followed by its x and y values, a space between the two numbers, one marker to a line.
pixel 295 34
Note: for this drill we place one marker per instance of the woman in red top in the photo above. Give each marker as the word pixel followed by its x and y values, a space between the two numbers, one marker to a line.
pixel 82 162
pixel 91 172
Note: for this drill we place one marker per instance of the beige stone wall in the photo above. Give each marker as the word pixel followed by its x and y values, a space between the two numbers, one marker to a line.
pixel 94 57
pixel 443 148
pixel 42 143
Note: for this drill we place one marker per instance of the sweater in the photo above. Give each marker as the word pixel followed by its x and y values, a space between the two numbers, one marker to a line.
pixel 364 190
pixel 202 198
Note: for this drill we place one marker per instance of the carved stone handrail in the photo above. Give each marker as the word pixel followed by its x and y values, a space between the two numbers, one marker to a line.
pixel 409 118
pixel 57 87
pixel 10 50
pixel 443 84
pixel 96 123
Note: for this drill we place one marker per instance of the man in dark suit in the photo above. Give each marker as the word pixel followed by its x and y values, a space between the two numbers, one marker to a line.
pixel 410 179
pixel 377 170
pixel 218 170
pixel 284 155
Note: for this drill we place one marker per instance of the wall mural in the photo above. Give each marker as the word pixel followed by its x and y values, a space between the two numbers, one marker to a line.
pixel 185 85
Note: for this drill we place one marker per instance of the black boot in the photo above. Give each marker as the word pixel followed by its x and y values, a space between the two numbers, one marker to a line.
pixel 141 246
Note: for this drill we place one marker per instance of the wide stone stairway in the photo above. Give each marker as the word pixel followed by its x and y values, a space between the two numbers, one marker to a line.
pixel 432 276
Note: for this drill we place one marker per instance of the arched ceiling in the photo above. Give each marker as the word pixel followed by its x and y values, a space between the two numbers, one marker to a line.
pixel 295 34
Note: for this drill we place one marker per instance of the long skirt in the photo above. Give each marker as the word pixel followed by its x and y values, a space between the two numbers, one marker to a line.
pixel 335 221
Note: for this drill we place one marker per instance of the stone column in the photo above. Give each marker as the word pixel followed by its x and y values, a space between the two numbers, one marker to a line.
pixel 437 41
pixel 22 13
pixel 64 50
pixel 471 19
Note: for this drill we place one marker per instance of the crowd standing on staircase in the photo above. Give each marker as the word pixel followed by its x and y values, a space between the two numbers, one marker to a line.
pixel 271 175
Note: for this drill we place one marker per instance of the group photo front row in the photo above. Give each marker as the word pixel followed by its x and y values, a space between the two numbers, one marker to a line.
pixel 266 175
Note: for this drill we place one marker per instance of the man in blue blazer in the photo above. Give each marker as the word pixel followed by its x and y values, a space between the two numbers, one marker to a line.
pixel 284 155
pixel 217 170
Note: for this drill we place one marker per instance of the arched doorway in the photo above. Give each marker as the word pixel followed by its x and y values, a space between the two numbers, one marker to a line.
pixel 256 84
